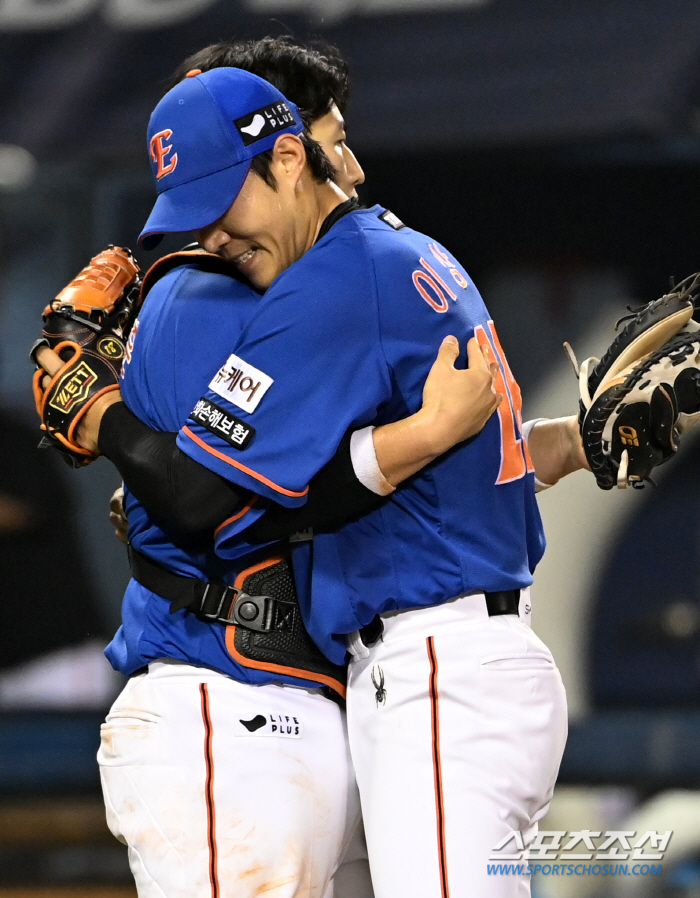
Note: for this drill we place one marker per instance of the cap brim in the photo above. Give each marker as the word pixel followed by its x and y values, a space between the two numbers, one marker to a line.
pixel 194 205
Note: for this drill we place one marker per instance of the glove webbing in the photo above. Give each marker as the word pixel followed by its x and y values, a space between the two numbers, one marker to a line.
pixel 676 350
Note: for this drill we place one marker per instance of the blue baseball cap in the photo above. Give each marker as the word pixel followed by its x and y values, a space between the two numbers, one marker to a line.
pixel 202 137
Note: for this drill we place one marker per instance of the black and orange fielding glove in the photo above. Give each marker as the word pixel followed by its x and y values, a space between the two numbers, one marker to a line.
pixel 87 325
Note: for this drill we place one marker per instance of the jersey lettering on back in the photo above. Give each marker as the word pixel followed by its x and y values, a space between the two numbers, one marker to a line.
pixel 433 286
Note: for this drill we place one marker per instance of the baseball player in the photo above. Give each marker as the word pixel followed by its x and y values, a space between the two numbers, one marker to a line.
pixel 457 715
pixel 211 724
pixel 457 682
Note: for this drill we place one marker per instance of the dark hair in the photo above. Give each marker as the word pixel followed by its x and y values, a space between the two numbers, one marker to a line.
pixel 313 78
pixel 319 164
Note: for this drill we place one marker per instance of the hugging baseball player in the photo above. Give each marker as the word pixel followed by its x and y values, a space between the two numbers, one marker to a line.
pixel 262 771
pixel 449 690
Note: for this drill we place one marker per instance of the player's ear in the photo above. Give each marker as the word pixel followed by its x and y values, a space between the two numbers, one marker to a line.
pixel 288 158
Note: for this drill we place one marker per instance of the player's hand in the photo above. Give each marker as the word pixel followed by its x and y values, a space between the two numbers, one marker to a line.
pixel 88 430
pixel 117 515
pixel 458 402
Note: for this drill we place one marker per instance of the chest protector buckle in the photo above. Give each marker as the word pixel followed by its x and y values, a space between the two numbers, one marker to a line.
pixel 276 639
pixel 264 626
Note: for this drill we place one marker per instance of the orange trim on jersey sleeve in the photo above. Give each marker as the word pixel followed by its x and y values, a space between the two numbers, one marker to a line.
pixel 236 464
pixel 238 515
pixel 299 674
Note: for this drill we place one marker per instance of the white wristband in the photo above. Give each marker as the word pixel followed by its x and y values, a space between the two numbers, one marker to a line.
pixel 364 461
pixel 527 428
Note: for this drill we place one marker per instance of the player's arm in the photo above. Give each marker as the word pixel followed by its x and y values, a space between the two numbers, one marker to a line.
pixel 555 448
pixel 456 405
pixel 185 496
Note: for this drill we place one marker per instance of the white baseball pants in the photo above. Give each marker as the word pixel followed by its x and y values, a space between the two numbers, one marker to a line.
pixel 225 790
pixel 457 724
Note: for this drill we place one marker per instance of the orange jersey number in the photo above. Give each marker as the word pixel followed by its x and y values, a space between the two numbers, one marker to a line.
pixel 515 458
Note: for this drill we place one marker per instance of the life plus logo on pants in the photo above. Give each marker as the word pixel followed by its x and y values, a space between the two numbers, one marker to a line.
pixel 284 726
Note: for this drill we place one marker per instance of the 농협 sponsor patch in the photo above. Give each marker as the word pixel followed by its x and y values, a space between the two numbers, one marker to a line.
pixel 222 423
pixel 241 384
pixel 264 121
pixel 283 726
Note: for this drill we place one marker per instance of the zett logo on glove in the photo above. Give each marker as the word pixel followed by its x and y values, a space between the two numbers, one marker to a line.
pixel 73 388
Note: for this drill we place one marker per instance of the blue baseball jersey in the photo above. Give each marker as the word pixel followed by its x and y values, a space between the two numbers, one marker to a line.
pixel 190 319
pixel 343 338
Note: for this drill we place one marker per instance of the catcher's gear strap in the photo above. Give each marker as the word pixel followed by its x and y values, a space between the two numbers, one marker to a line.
pixel 205 262
pixel 261 611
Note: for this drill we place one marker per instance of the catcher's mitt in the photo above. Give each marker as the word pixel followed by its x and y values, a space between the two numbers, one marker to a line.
pixel 644 392
pixel 87 325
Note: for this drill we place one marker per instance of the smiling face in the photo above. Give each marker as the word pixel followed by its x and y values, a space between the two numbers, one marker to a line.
pixel 258 233
pixel 267 229
pixel 329 132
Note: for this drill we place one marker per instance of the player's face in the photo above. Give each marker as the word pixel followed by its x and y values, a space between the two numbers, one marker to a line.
pixel 262 233
pixel 329 132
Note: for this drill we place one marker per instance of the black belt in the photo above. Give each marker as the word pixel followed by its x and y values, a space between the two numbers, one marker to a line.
pixel 506 601
pixel 212 600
